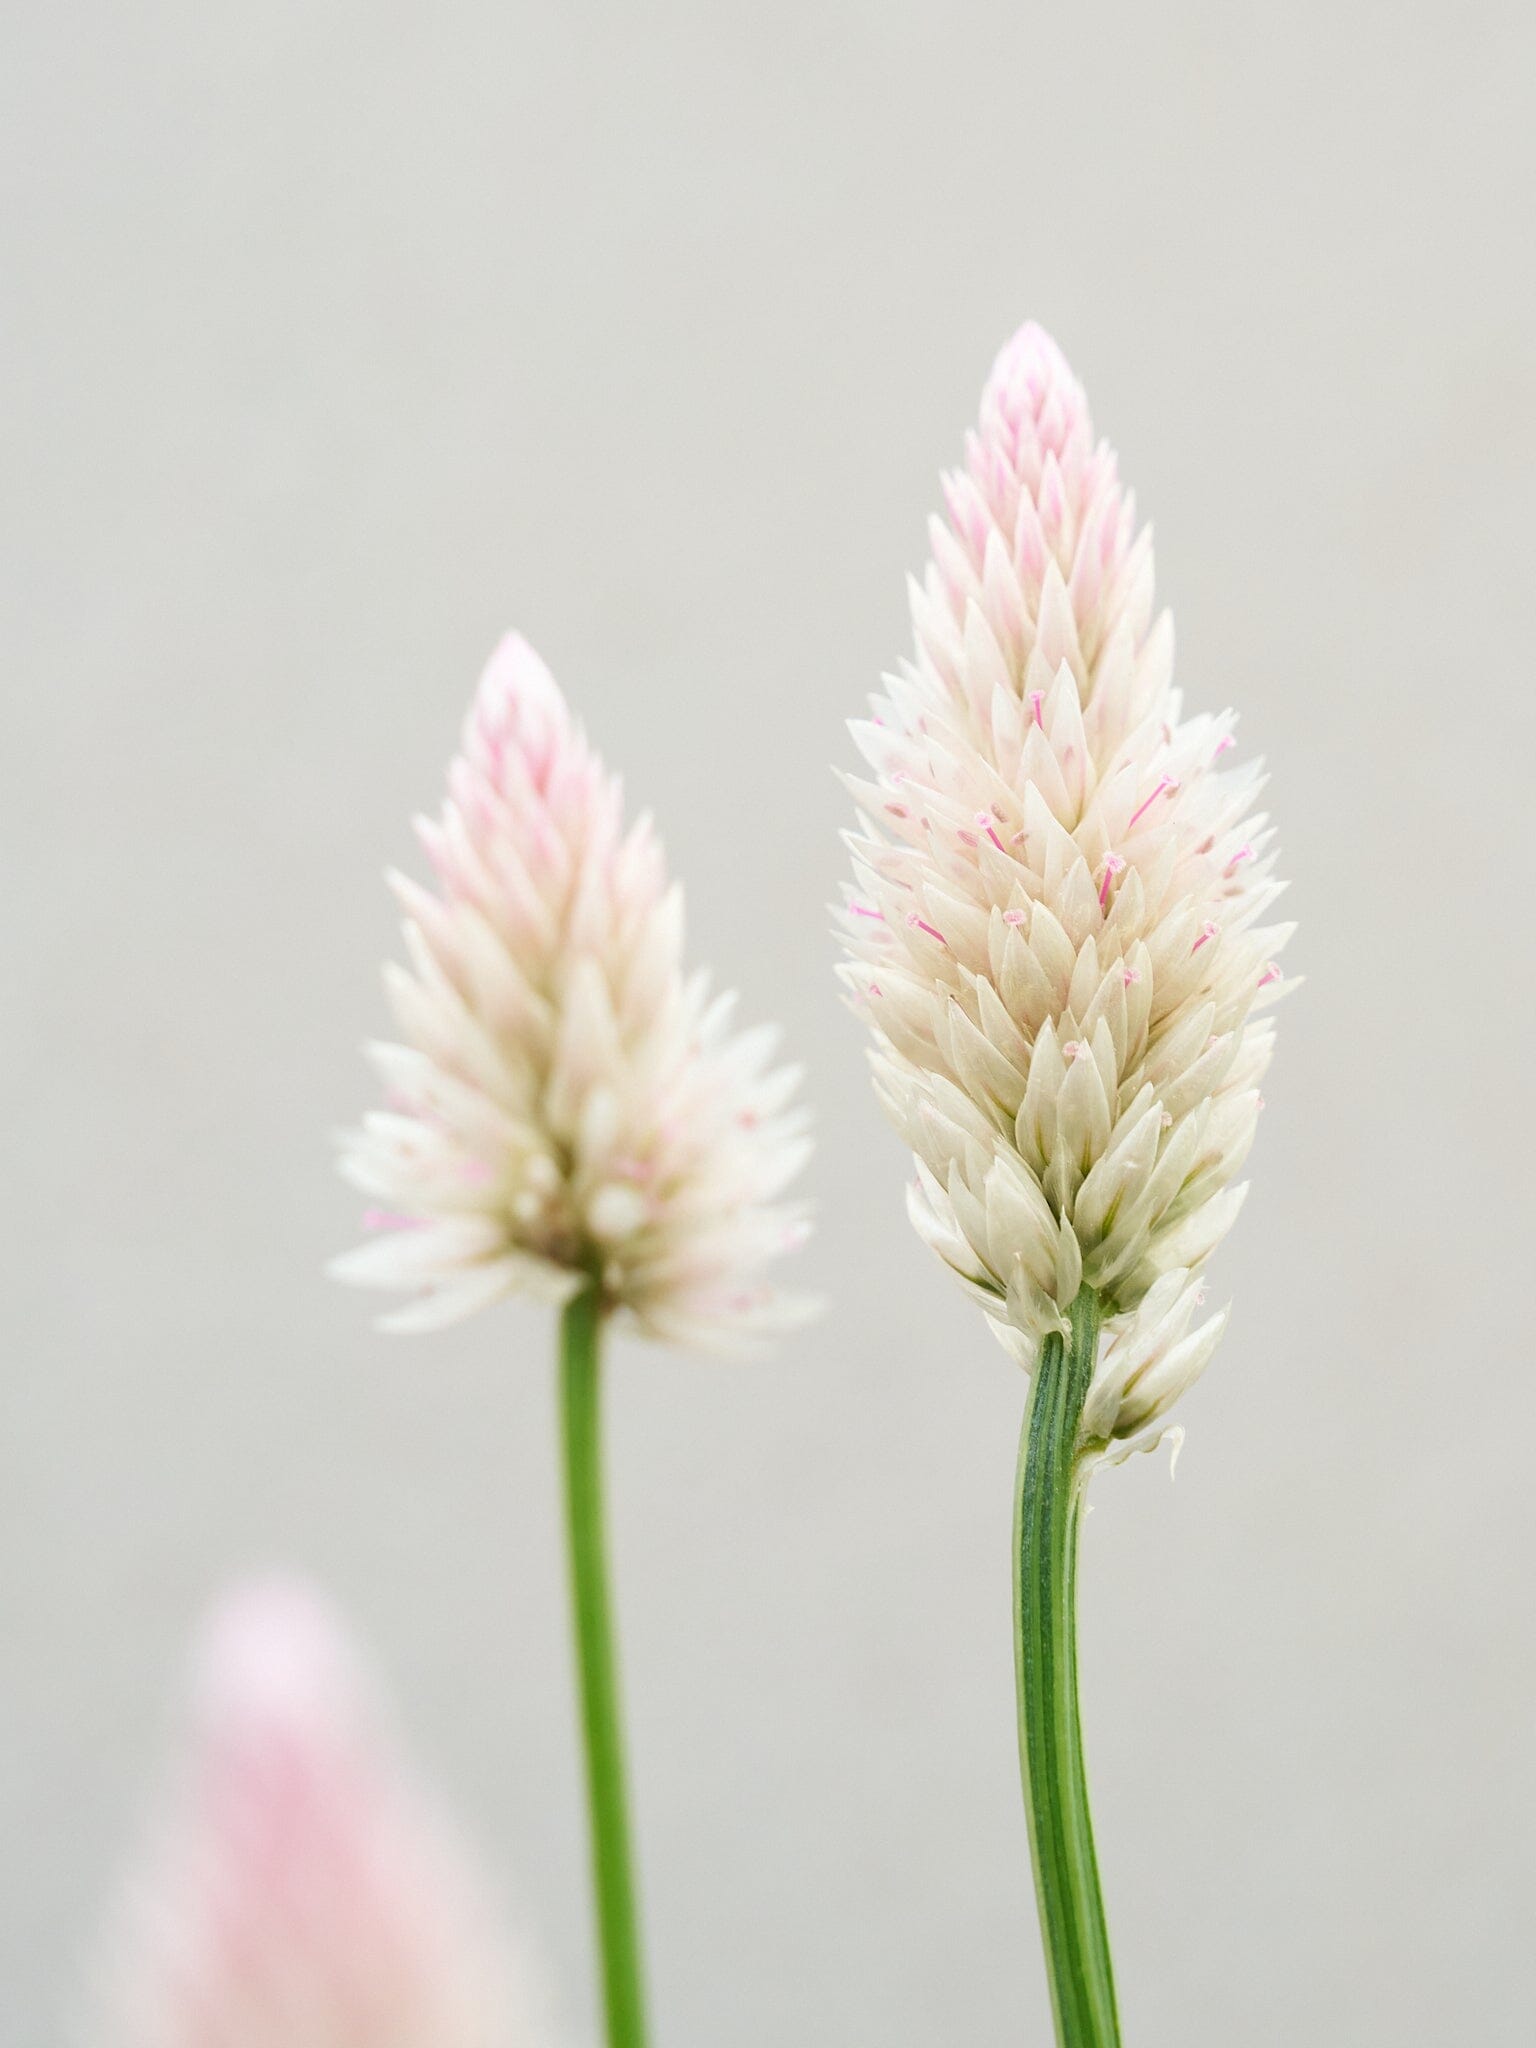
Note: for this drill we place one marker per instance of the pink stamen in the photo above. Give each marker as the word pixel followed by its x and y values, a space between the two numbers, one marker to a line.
pixel 1113 865
pixel 966 838
pixel 1207 931
pixel 1073 1049
pixel 897 810
pixel 1224 745
pixel 867 910
pixel 921 925
pixel 875 989
pixel 984 820
pixel 1167 783
pixel 1271 973
pixel 1013 917
pixel 1243 853
pixel 1131 976
pixel 1036 699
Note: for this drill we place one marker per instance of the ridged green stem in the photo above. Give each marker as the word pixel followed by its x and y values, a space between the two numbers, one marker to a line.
pixel 612 1862
pixel 1047 1508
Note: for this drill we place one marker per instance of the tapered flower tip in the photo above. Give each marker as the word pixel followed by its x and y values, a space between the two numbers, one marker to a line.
pixel 568 1104
pixel 518 706
pixel 1032 382
pixel 299 1890
pixel 273 1665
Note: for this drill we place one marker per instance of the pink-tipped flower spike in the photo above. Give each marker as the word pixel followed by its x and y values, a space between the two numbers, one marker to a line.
pixel 572 1117
pixel 1061 893
pixel 568 1104
pixel 1069 1032
pixel 301 1893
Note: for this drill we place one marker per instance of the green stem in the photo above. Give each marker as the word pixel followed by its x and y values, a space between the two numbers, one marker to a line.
pixel 617 1922
pixel 1047 1507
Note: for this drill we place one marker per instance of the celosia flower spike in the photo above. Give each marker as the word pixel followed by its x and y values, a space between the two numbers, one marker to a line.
pixel 1062 893
pixel 567 1104
pixel 1058 939
pixel 301 1894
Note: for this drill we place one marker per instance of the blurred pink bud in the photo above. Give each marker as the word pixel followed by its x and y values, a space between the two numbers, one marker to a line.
pixel 300 1893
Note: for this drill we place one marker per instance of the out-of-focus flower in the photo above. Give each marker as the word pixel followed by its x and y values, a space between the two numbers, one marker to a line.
pixel 300 1892
pixel 1058 931
pixel 569 1104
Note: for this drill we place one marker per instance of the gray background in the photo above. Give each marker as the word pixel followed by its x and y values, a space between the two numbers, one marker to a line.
pixel 335 343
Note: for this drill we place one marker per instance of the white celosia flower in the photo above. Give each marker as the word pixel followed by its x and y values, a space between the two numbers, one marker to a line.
pixel 568 1103
pixel 300 1893
pixel 1058 930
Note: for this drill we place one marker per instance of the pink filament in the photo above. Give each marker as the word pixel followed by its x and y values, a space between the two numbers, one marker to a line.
pixel 1207 931
pixel 919 924
pixel 1271 973
pixel 1113 865
pixel 1166 783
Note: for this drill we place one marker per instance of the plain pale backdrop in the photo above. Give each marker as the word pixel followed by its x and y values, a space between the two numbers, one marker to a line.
pixel 339 338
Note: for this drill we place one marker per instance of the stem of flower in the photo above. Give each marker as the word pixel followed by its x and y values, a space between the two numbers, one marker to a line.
pixel 613 1879
pixel 1047 1508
